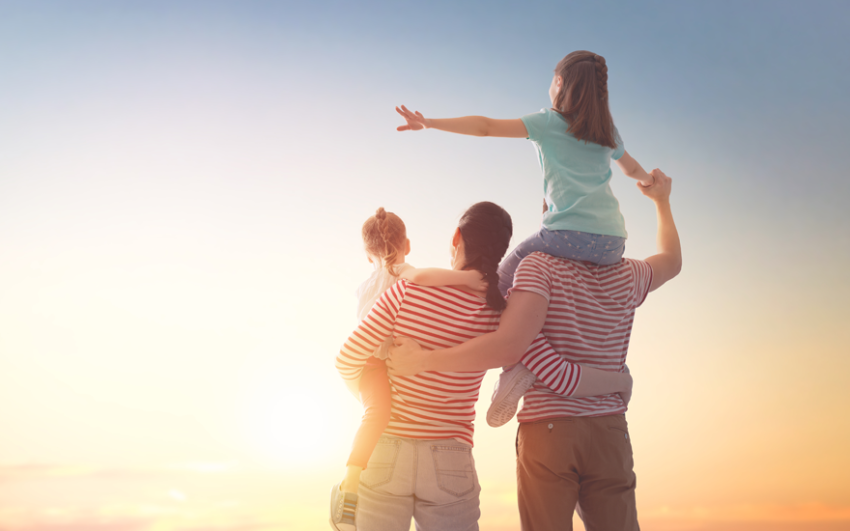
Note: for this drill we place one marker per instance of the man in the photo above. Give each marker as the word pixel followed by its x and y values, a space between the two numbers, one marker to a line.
pixel 569 450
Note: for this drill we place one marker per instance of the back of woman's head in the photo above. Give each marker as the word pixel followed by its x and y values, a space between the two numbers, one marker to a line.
pixel 384 237
pixel 583 98
pixel 486 229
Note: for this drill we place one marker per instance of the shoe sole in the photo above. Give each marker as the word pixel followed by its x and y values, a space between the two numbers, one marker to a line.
pixel 506 399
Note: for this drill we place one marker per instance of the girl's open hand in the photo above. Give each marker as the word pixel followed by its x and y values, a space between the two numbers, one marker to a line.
pixel 415 120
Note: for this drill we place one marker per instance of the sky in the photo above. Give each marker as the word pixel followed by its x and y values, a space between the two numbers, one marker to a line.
pixel 182 186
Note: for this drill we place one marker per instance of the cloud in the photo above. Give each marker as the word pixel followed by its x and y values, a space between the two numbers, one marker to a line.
pixel 131 519
pixel 30 471
pixel 238 527
pixel 81 525
pixel 41 470
pixel 803 512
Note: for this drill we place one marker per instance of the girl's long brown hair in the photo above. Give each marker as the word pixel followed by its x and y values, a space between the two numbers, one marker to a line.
pixel 384 236
pixel 583 98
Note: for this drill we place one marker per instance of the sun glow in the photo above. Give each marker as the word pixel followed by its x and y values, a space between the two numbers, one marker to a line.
pixel 290 420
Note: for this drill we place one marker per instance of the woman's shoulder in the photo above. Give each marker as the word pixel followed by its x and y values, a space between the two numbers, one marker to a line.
pixel 447 293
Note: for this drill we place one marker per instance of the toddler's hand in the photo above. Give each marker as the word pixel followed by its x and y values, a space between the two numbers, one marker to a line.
pixel 415 121
pixel 477 281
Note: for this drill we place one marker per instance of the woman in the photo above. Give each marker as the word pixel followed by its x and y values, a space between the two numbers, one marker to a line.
pixel 422 467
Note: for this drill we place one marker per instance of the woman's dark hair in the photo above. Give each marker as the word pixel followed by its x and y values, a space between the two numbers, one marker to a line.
pixel 384 235
pixel 486 229
pixel 583 98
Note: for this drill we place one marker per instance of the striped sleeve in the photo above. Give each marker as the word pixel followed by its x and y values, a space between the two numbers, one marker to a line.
pixel 533 275
pixel 551 368
pixel 642 274
pixel 372 331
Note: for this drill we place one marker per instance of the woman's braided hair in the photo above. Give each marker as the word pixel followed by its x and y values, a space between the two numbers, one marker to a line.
pixel 384 236
pixel 486 229
pixel 583 98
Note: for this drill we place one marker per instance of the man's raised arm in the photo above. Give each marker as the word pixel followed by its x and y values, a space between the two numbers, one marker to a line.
pixel 667 263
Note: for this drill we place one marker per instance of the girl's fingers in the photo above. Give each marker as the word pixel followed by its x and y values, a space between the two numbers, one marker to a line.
pixel 410 115
pixel 406 115
pixel 414 121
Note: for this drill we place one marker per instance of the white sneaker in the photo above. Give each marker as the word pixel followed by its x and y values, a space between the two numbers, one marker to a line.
pixel 512 384
pixel 343 510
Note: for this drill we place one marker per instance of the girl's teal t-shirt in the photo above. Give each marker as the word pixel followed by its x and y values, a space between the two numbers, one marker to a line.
pixel 576 177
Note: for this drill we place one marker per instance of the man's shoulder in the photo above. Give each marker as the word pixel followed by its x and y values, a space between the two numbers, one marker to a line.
pixel 566 267
pixel 538 261
pixel 624 284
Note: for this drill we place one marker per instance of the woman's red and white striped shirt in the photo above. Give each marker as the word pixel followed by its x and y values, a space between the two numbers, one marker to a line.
pixel 436 405
pixel 589 322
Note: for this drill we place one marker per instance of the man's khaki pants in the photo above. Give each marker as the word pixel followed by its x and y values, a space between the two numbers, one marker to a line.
pixel 569 460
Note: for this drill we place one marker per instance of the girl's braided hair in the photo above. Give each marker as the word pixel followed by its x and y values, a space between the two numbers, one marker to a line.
pixel 384 236
pixel 486 229
pixel 583 98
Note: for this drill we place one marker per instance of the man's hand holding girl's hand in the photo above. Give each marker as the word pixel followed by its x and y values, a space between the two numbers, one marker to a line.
pixel 660 187
pixel 406 357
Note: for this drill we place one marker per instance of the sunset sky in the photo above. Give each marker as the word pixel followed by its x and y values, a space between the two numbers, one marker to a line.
pixel 182 186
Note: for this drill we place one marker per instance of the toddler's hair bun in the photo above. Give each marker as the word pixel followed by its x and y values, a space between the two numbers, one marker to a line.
pixel 384 236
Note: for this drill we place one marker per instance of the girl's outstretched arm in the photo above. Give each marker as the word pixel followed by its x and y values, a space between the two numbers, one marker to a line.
pixel 632 168
pixel 434 276
pixel 466 125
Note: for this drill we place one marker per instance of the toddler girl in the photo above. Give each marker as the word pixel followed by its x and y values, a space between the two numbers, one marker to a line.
pixel 386 244
pixel 576 141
